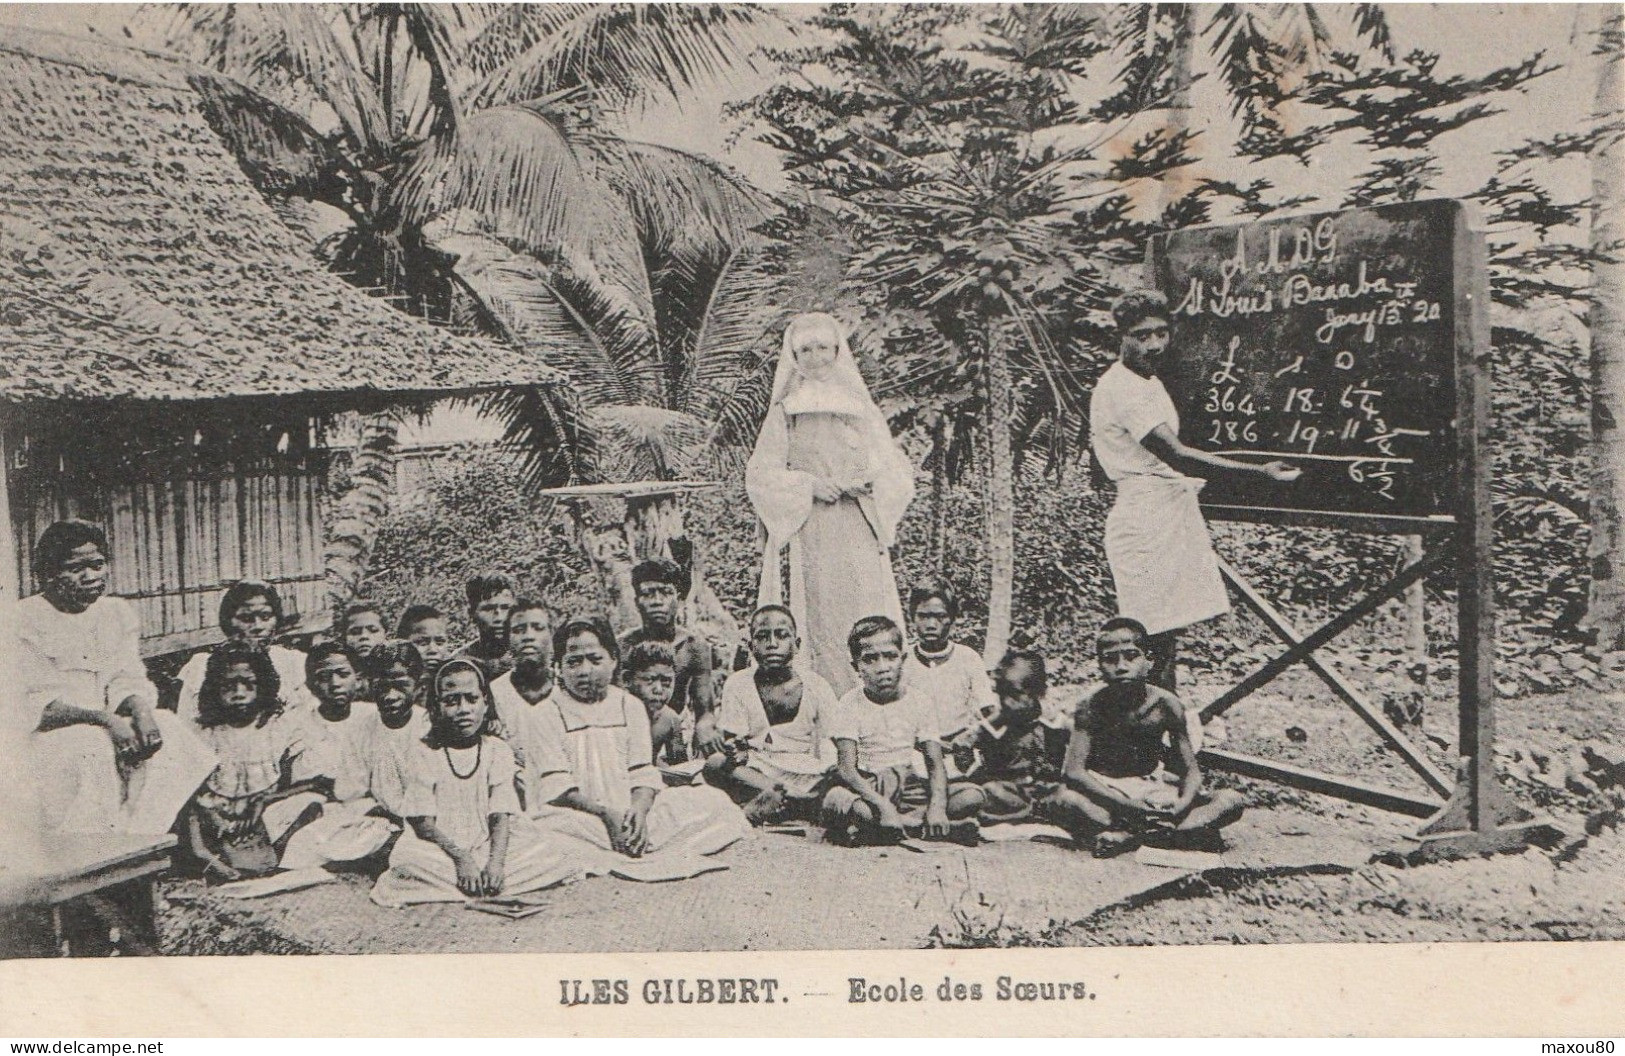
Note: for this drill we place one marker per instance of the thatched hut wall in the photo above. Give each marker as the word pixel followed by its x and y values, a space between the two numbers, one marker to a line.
pixel 167 344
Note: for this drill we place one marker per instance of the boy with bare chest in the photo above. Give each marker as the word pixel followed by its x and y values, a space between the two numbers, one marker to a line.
pixel 1129 744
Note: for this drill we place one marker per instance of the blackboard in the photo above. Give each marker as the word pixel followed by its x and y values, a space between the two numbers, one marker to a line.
pixel 1329 341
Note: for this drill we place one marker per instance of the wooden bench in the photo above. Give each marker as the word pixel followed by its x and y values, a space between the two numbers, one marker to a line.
pixel 81 895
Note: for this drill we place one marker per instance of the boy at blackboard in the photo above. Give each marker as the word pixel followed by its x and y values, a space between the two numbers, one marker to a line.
pixel 1130 773
pixel 1162 562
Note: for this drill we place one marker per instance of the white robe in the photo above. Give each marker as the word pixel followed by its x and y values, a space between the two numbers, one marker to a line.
pixel 839 561
pixel 368 763
pixel 92 659
pixel 839 553
pixel 1157 544
pixel 603 750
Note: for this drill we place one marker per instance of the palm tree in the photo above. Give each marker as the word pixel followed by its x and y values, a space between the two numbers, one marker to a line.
pixel 1261 52
pixel 473 152
pixel 950 164
pixel 1607 601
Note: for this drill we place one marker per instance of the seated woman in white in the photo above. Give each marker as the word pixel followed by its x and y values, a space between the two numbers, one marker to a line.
pixel 105 760
pixel 596 778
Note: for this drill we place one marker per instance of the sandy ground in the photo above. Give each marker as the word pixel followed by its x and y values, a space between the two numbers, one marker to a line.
pixel 780 892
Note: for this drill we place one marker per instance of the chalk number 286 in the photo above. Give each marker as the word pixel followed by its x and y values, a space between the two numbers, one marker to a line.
pixel 1235 432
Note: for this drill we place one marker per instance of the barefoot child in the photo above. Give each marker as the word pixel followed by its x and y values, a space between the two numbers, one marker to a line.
pixel 598 777
pixel 1014 759
pixel 354 749
pixel 659 588
pixel 651 674
pixel 362 628
pixel 946 673
pixel 779 710
pixel 261 790
pixel 490 601
pixel 876 729
pixel 466 837
pixel 425 627
pixel 1126 737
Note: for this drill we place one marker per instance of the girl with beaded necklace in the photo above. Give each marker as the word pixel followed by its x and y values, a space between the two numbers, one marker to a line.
pixel 466 836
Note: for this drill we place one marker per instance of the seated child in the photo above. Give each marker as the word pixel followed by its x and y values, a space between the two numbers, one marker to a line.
pixel 1125 738
pixel 1014 759
pixel 466 836
pixel 876 729
pixel 425 627
pixel 261 791
pixel 362 628
pixel 598 778
pixel 333 679
pixel 361 750
pixel 658 588
pixel 778 711
pixel 522 689
pixel 651 674
pixel 950 675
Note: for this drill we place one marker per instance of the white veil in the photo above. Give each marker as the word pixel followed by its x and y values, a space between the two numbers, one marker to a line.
pixel 782 496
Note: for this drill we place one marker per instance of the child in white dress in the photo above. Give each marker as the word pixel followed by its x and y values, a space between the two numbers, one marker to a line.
pixel 597 780
pixel 263 787
pixel 361 749
pixel 466 837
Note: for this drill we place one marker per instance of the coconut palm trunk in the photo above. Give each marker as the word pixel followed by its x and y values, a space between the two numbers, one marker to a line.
pixel 360 510
pixel 1000 501
pixel 1607 600
pixel 939 496
pixel 1179 100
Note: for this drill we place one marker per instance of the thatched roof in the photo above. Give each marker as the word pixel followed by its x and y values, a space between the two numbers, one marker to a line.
pixel 137 262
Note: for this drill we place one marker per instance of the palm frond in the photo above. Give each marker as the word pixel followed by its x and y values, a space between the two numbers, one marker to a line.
pixel 516 168
pixel 641 442
pixel 546 424
pixel 279 150
pixel 308 48
pixel 624 52
pixel 536 187
pixel 516 289
pixel 685 205
pixel 435 31
pixel 1371 24
pixel 739 327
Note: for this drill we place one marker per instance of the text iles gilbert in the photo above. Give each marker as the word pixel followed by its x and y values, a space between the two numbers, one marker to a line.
pixel 1290 253
pixel 699 991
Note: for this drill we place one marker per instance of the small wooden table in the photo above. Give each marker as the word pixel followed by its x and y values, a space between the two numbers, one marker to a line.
pixel 111 879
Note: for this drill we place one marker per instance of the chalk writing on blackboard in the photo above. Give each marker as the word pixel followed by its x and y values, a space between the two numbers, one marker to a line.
pixel 1325 341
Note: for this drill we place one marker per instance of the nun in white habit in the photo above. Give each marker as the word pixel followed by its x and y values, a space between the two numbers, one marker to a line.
pixel 830 485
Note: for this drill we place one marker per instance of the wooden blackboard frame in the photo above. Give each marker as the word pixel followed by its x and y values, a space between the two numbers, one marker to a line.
pixel 1476 817
pixel 1467 273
